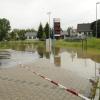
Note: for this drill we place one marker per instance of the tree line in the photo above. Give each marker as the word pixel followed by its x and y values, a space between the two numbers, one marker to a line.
pixel 7 34
pixel 43 33
pixel 19 34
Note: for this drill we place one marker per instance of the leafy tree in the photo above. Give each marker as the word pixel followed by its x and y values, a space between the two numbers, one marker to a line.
pixel 40 51
pixel 40 32
pixel 4 28
pixel 93 27
pixel 13 36
pixel 46 30
pixel 21 34
pixel 15 31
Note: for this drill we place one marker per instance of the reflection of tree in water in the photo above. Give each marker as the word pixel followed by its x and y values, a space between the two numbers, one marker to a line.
pixel 41 51
pixel 23 47
pixel 16 46
pixel 19 47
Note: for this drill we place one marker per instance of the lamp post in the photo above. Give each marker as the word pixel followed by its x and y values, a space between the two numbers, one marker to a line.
pixel 96 18
pixel 49 13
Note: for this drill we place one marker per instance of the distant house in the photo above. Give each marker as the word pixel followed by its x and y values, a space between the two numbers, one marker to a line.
pixel 64 34
pixel 84 29
pixel 31 35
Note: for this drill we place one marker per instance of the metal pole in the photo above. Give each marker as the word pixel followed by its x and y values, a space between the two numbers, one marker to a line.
pixel 96 20
pixel 49 13
pixel 49 24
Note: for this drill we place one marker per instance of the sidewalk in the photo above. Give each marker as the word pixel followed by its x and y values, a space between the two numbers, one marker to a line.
pixel 20 84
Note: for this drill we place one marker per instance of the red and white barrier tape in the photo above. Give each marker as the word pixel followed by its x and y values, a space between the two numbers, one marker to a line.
pixel 59 85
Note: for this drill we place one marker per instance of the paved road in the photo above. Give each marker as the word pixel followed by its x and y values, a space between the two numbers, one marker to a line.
pixel 20 84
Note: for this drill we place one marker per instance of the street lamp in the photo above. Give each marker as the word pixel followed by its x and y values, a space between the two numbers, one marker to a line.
pixel 96 17
pixel 49 13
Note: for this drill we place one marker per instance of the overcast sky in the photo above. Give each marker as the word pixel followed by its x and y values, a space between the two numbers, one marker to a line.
pixel 29 13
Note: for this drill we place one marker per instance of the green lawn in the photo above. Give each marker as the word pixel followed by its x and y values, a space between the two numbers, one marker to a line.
pixel 91 43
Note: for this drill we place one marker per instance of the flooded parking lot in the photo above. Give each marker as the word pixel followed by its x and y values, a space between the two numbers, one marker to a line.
pixel 66 64
pixel 76 60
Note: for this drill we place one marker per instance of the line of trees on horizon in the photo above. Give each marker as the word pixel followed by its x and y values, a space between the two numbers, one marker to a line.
pixel 19 34
pixel 6 34
pixel 43 32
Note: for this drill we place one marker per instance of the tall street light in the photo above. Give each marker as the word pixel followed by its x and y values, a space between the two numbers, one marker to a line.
pixel 49 13
pixel 96 18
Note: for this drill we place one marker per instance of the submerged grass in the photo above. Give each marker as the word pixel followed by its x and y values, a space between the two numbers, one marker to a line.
pixel 91 47
pixel 91 43
pixel 14 44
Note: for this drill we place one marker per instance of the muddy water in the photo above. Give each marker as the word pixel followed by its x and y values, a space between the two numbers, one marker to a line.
pixel 80 61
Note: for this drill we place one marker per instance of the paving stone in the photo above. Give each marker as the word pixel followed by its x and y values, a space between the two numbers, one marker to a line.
pixel 20 84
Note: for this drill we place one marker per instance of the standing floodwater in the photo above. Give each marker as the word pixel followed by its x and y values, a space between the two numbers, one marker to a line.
pixel 80 61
